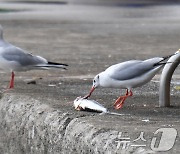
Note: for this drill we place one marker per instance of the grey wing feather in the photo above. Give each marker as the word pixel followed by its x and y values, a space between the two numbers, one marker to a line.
pixel 132 69
pixel 18 55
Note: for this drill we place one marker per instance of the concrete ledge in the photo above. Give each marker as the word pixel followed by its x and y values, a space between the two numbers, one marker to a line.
pixel 81 137
pixel 29 126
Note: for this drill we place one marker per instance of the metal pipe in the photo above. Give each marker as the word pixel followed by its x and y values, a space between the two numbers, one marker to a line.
pixel 164 89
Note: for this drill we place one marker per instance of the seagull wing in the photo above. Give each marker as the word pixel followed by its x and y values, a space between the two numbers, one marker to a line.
pixel 15 54
pixel 132 69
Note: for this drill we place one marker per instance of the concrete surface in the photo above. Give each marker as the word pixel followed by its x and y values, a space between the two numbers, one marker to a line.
pixel 39 118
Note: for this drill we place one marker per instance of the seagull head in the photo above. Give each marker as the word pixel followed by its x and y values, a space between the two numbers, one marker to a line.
pixel 95 84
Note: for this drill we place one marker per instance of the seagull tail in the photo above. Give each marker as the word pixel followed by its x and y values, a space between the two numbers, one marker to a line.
pixel 163 61
pixel 57 65
pixel 167 57
pixel 53 65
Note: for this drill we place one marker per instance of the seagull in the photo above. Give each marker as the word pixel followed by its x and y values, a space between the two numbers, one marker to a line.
pixel 127 75
pixel 14 59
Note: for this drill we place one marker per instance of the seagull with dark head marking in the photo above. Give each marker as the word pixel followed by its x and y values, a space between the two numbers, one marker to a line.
pixel 14 59
pixel 128 75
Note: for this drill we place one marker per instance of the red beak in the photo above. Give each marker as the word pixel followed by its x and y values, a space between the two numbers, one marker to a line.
pixel 91 91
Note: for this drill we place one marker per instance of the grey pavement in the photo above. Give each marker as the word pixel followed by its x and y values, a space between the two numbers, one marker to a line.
pixel 39 118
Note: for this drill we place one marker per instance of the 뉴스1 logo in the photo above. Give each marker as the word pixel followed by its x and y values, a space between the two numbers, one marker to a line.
pixel 167 140
pixel 163 140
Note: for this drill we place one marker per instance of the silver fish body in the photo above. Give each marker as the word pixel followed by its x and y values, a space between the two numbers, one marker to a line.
pixel 83 104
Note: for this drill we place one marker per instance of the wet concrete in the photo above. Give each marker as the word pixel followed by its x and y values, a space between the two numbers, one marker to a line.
pixel 39 118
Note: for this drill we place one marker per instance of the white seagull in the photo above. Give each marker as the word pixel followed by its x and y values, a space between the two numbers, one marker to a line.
pixel 128 75
pixel 14 59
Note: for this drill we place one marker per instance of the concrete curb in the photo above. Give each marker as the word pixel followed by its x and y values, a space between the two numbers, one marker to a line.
pixel 29 126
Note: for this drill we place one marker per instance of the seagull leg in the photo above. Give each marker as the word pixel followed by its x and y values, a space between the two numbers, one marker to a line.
pixel 11 83
pixel 120 101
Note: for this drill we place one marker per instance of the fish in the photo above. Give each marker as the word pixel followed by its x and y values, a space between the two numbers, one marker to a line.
pixel 83 104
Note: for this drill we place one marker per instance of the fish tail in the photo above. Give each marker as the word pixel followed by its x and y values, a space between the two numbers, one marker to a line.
pixel 114 113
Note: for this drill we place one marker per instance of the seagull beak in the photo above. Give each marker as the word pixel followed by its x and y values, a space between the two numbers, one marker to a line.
pixel 91 91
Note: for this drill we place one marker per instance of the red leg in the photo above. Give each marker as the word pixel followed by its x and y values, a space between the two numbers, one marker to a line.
pixel 127 92
pixel 11 84
pixel 130 93
pixel 120 101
